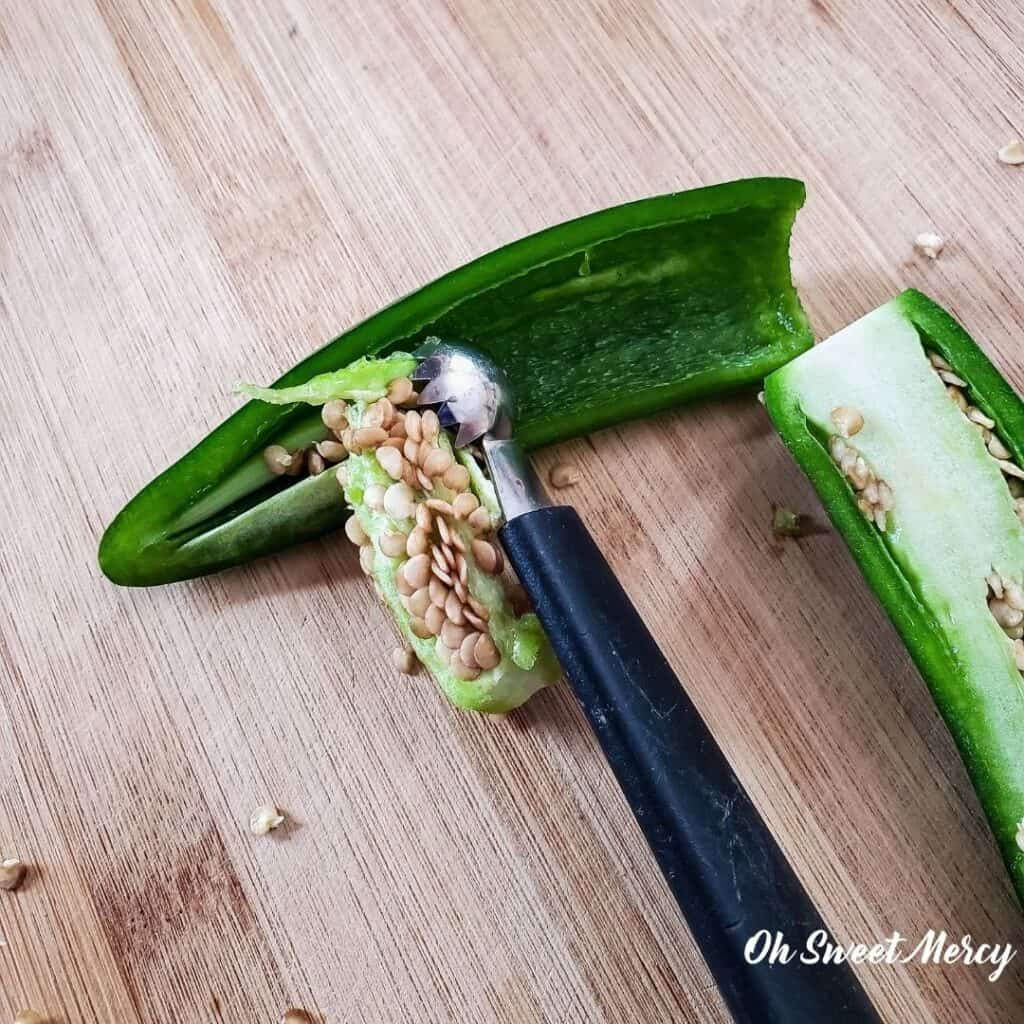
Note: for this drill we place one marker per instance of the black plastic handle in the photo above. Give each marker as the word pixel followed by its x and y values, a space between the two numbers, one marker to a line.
pixel 728 874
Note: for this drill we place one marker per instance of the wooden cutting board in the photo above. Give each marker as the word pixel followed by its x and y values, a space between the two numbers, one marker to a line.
pixel 197 191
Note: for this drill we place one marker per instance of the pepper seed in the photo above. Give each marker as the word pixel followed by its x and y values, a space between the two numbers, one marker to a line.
pixel 453 609
pixel 419 628
pixel 368 437
pixel 413 427
pixel 400 501
pixel 390 460
pixel 456 478
pixel 848 421
pixel 418 542
pixel 997 449
pixel 354 530
pixel 463 671
pixel 265 819
pixel 479 520
pixel 437 462
pixel 438 592
pixel 332 451
pixel 486 653
pixel 434 618
pixel 366 559
pixel 417 571
pixel 564 475
pixel 404 659
pixel 278 459
pixel 30 1017
pixel 12 873
pixel 335 415
pixel 400 390
pixel 393 544
pixel 465 505
pixel 453 634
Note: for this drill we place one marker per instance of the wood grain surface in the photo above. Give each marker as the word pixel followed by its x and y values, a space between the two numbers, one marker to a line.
pixel 194 191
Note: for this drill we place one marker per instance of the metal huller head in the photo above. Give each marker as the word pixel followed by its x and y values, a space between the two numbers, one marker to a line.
pixel 474 399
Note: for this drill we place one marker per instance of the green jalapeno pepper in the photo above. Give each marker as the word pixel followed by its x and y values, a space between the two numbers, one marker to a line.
pixel 608 317
pixel 915 443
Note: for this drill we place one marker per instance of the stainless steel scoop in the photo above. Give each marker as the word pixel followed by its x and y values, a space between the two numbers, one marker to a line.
pixel 475 400
pixel 723 865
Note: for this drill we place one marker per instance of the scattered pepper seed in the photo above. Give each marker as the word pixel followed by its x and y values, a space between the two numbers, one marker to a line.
pixel 1012 152
pixel 563 474
pixel 30 1017
pixel 929 244
pixel 12 873
pixel 404 659
pixel 265 819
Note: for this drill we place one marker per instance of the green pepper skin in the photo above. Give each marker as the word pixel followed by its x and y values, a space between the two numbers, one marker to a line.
pixel 612 316
pixel 991 754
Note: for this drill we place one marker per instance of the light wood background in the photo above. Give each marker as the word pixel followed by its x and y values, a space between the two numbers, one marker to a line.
pixel 193 191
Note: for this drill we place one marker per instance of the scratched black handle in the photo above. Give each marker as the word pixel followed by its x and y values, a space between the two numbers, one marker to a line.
pixel 728 874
